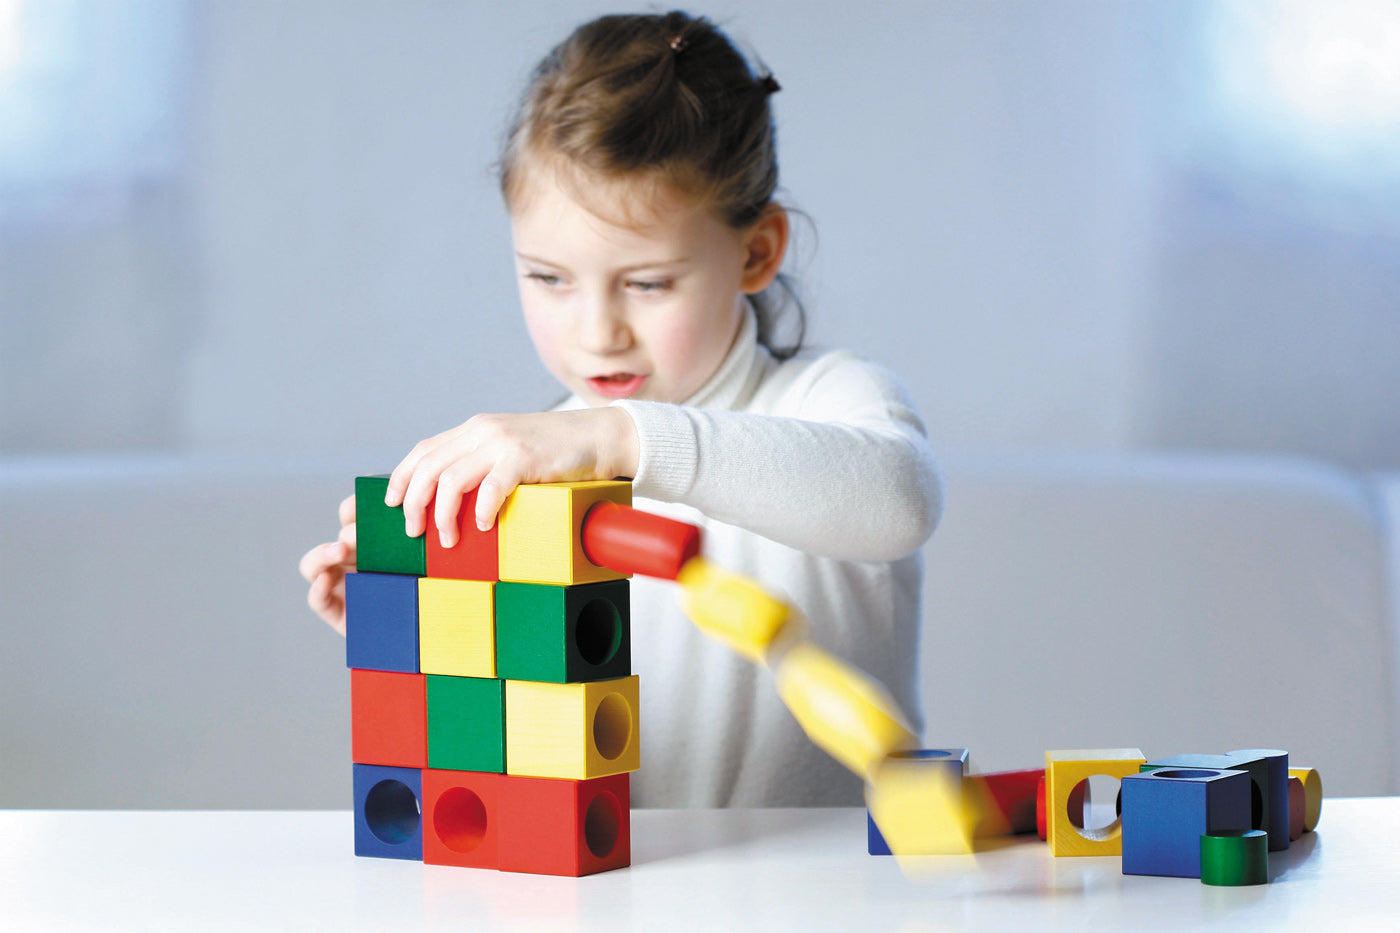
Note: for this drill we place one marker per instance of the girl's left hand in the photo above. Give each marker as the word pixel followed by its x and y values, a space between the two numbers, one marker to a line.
pixel 495 453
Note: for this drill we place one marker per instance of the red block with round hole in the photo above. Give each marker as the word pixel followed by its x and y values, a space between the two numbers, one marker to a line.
pixel 550 826
pixel 630 541
pixel 388 719
pixel 473 557
pixel 461 818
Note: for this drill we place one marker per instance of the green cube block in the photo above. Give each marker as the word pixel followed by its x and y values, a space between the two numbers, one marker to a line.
pixel 380 543
pixel 466 723
pixel 563 634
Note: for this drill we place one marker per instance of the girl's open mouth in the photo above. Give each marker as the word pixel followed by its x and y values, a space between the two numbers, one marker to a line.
pixel 616 385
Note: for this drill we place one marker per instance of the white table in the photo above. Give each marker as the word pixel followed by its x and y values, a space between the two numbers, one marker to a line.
pixel 711 870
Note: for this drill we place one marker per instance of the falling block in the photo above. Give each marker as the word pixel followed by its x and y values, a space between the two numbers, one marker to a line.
pixel 560 827
pixel 1167 811
pixel 461 816
pixel 631 541
pixel 381 622
pixel 387 812
pixel 473 557
pixel 577 731
pixel 1008 801
pixel 732 609
pixel 1065 771
pixel 456 627
pixel 1273 772
pixel 563 634
pixel 466 723
pixel 1312 793
pixel 845 712
pixel 541 532
pixel 388 719
pixel 381 546
pixel 918 802
pixel 1235 859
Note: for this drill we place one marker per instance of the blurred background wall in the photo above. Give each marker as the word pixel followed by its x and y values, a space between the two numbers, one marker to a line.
pixel 272 228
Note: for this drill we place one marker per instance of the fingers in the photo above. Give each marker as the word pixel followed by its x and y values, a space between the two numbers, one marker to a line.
pixel 347 510
pixel 491 495
pixel 327 599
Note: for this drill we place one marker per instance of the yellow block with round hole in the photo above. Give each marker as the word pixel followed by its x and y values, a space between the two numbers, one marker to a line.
pixel 1312 796
pixel 575 731
pixel 731 608
pixel 456 627
pixel 1065 771
pixel 540 538
pixel 844 712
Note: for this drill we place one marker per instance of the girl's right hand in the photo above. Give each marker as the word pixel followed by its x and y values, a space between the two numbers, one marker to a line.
pixel 325 567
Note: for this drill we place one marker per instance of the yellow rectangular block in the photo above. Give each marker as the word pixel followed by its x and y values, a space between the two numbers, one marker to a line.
pixel 456 627
pixel 575 731
pixel 540 538
pixel 732 608
pixel 1064 772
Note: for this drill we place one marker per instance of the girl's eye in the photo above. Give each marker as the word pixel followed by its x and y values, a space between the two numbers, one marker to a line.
pixel 544 278
pixel 650 286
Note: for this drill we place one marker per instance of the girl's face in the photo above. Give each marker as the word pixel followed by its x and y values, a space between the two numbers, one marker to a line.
pixel 642 303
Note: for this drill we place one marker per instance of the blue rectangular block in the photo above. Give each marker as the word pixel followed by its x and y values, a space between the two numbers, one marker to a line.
pixel 1166 811
pixel 381 622
pixel 388 812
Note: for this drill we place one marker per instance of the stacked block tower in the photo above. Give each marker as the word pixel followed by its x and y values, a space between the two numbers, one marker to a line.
pixel 494 714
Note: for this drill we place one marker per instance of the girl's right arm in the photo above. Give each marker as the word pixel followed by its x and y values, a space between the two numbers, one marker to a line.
pixel 325 567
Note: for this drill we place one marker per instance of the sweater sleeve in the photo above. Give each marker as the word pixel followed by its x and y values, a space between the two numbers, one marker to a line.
pixel 836 464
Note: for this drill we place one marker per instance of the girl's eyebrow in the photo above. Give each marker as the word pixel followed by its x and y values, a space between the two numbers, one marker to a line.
pixel 624 270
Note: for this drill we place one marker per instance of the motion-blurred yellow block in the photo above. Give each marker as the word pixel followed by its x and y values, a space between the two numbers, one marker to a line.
pixel 843 711
pixel 922 810
pixel 731 608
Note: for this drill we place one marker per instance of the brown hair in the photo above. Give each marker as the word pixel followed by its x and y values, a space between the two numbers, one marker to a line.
pixel 666 97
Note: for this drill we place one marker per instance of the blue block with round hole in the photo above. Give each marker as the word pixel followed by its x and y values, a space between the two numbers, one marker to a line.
pixel 1166 811
pixel 381 622
pixel 388 812
pixel 1257 763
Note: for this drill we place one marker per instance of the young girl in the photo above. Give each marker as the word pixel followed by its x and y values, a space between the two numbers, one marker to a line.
pixel 639 176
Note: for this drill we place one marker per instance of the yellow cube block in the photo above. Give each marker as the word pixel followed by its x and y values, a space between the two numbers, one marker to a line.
pixel 844 711
pixel 1064 772
pixel 575 731
pixel 540 539
pixel 456 627
pixel 731 608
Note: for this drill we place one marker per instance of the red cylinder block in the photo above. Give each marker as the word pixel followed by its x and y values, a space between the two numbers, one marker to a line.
pixel 628 540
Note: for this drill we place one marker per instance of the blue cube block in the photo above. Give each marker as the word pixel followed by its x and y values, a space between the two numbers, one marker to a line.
pixel 388 812
pixel 1257 765
pixel 381 622
pixel 1165 813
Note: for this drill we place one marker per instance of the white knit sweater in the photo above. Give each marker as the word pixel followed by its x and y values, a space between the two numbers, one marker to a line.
pixel 814 477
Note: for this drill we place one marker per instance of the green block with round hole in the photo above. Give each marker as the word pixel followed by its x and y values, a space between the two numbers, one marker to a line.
pixel 466 723
pixel 380 543
pixel 563 634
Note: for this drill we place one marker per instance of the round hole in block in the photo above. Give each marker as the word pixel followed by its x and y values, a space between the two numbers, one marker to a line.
pixel 459 819
pixel 598 631
pixel 612 726
pixel 924 754
pixel 391 810
pixel 1256 804
pixel 1095 805
pixel 602 824
pixel 1185 773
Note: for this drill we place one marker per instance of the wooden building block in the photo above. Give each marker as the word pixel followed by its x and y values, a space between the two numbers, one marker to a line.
pixel 456 627
pixel 381 546
pixel 875 842
pixel 388 719
pixel 473 557
pixel 1235 859
pixel 1274 774
pixel 845 712
pixel 1008 801
pixel 1312 792
pixel 563 634
pixel 631 541
pixel 381 622
pixel 1042 828
pixel 461 814
pixel 466 723
pixel 1297 808
pixel 1166 811
pixel 733 609
pixel 1256 763
pixel 541 532
pixel 387 808
pixel 918 802
pixel 576 731
pixel 1065 771
pixel 559 827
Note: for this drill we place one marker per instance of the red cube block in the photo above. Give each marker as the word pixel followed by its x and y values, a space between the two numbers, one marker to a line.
pixel 473 557
pixel 461 818
pixel 388 719
pixel 551 826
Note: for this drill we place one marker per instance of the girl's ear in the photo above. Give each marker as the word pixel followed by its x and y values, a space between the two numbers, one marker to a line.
pixel 765 244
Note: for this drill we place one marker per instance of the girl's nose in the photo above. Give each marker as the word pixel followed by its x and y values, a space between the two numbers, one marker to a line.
pixel 603 326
